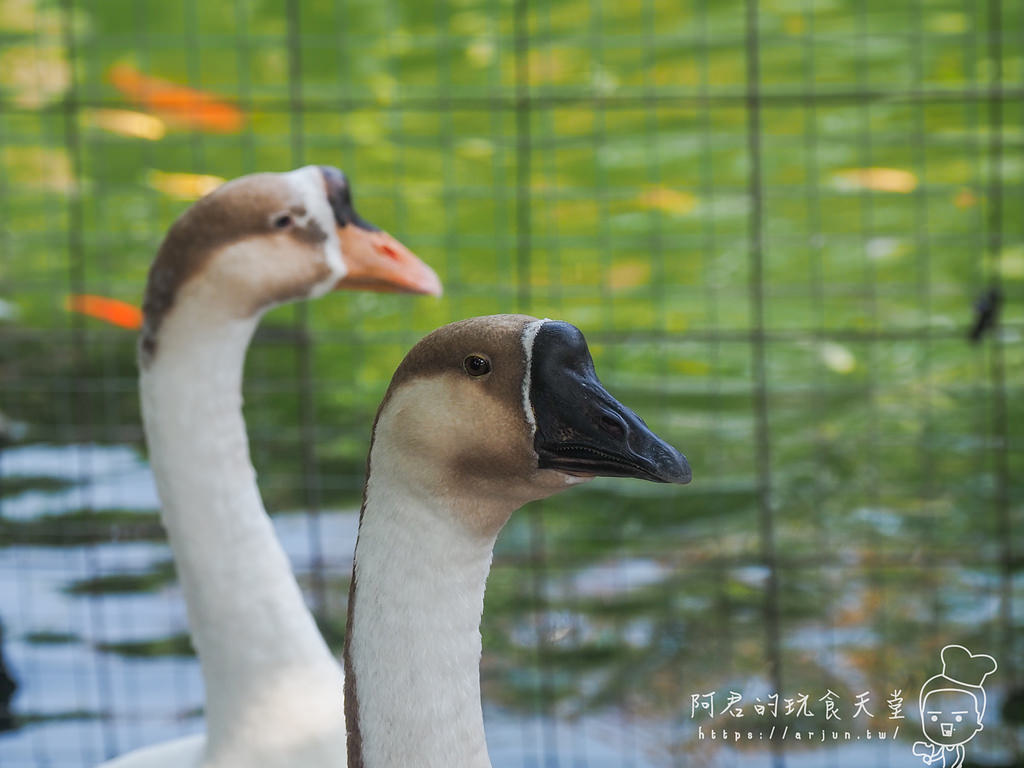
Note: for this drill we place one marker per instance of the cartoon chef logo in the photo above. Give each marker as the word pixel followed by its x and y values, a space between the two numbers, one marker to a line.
pixel 952 706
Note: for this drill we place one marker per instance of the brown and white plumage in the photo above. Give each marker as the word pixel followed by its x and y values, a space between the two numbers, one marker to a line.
pixel 481 417
pixel 273 689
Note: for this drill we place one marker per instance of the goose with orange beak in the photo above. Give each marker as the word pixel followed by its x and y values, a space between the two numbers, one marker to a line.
pixel 273 688
pixel 269 238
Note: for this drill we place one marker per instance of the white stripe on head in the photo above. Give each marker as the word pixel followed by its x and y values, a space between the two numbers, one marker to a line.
pixel 529 336
pixel 309 181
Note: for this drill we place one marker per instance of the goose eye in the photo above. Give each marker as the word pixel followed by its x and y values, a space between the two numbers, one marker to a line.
pixel 477 365
pixel 282 221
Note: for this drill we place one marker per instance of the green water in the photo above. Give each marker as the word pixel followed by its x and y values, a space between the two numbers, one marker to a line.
pixel 795 325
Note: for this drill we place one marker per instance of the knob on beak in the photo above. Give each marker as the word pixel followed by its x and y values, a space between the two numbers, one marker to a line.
pixel 374 260
pixel 581 428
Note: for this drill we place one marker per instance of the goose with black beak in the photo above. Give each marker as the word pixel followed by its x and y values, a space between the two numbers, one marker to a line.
pixel 482 417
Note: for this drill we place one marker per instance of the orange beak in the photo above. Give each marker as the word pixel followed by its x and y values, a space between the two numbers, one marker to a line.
pixel 376 261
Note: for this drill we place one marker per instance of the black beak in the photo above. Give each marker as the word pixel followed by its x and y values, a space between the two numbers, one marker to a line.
pixel 581 428
pixel 339 195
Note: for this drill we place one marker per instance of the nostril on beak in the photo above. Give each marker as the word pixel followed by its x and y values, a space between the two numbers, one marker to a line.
pixel 612 426
pixel 386 250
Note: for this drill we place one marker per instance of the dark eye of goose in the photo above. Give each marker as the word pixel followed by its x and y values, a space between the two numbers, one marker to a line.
pixel 477 365
pixel 282 221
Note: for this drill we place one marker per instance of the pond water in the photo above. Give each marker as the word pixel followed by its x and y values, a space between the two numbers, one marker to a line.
pixel 81 703
pixel 102 666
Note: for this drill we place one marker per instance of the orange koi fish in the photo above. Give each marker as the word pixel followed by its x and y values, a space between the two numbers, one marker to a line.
pixel 186 106
pixel 112 311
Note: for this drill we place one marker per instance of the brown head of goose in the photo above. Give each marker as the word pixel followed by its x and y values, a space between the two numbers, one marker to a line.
pixel 268 238
pixel 481 417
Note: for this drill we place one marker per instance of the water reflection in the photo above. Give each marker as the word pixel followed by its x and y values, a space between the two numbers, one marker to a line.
pixel 594 645
pixel 62 478
pixel 8 686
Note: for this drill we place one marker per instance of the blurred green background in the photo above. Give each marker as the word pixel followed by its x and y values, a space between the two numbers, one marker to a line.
pixel 771 218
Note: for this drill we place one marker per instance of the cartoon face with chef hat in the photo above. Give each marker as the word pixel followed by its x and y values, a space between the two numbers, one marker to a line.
pixel 952 706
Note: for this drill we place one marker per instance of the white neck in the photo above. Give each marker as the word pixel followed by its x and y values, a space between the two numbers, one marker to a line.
pixel 413 656
pixel 272 685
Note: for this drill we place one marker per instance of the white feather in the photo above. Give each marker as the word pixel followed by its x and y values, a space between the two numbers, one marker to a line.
pixel 180 753
pixel 273 690
pixel 529 336
pixel 309 182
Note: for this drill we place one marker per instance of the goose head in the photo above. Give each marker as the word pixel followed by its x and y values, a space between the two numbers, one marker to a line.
pixel 509 408
pixel 481 417
pixel 268 238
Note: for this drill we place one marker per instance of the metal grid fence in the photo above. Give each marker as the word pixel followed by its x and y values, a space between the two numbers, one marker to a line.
pixel 772 220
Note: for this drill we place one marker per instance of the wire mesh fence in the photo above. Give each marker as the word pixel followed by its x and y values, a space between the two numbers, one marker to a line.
pixel 773 221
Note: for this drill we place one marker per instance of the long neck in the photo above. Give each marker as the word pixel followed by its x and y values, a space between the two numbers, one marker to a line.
pixel 265 665
pixel 412 657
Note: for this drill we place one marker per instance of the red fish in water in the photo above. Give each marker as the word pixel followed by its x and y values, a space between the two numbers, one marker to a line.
pixel 177 103
pixel 112 311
